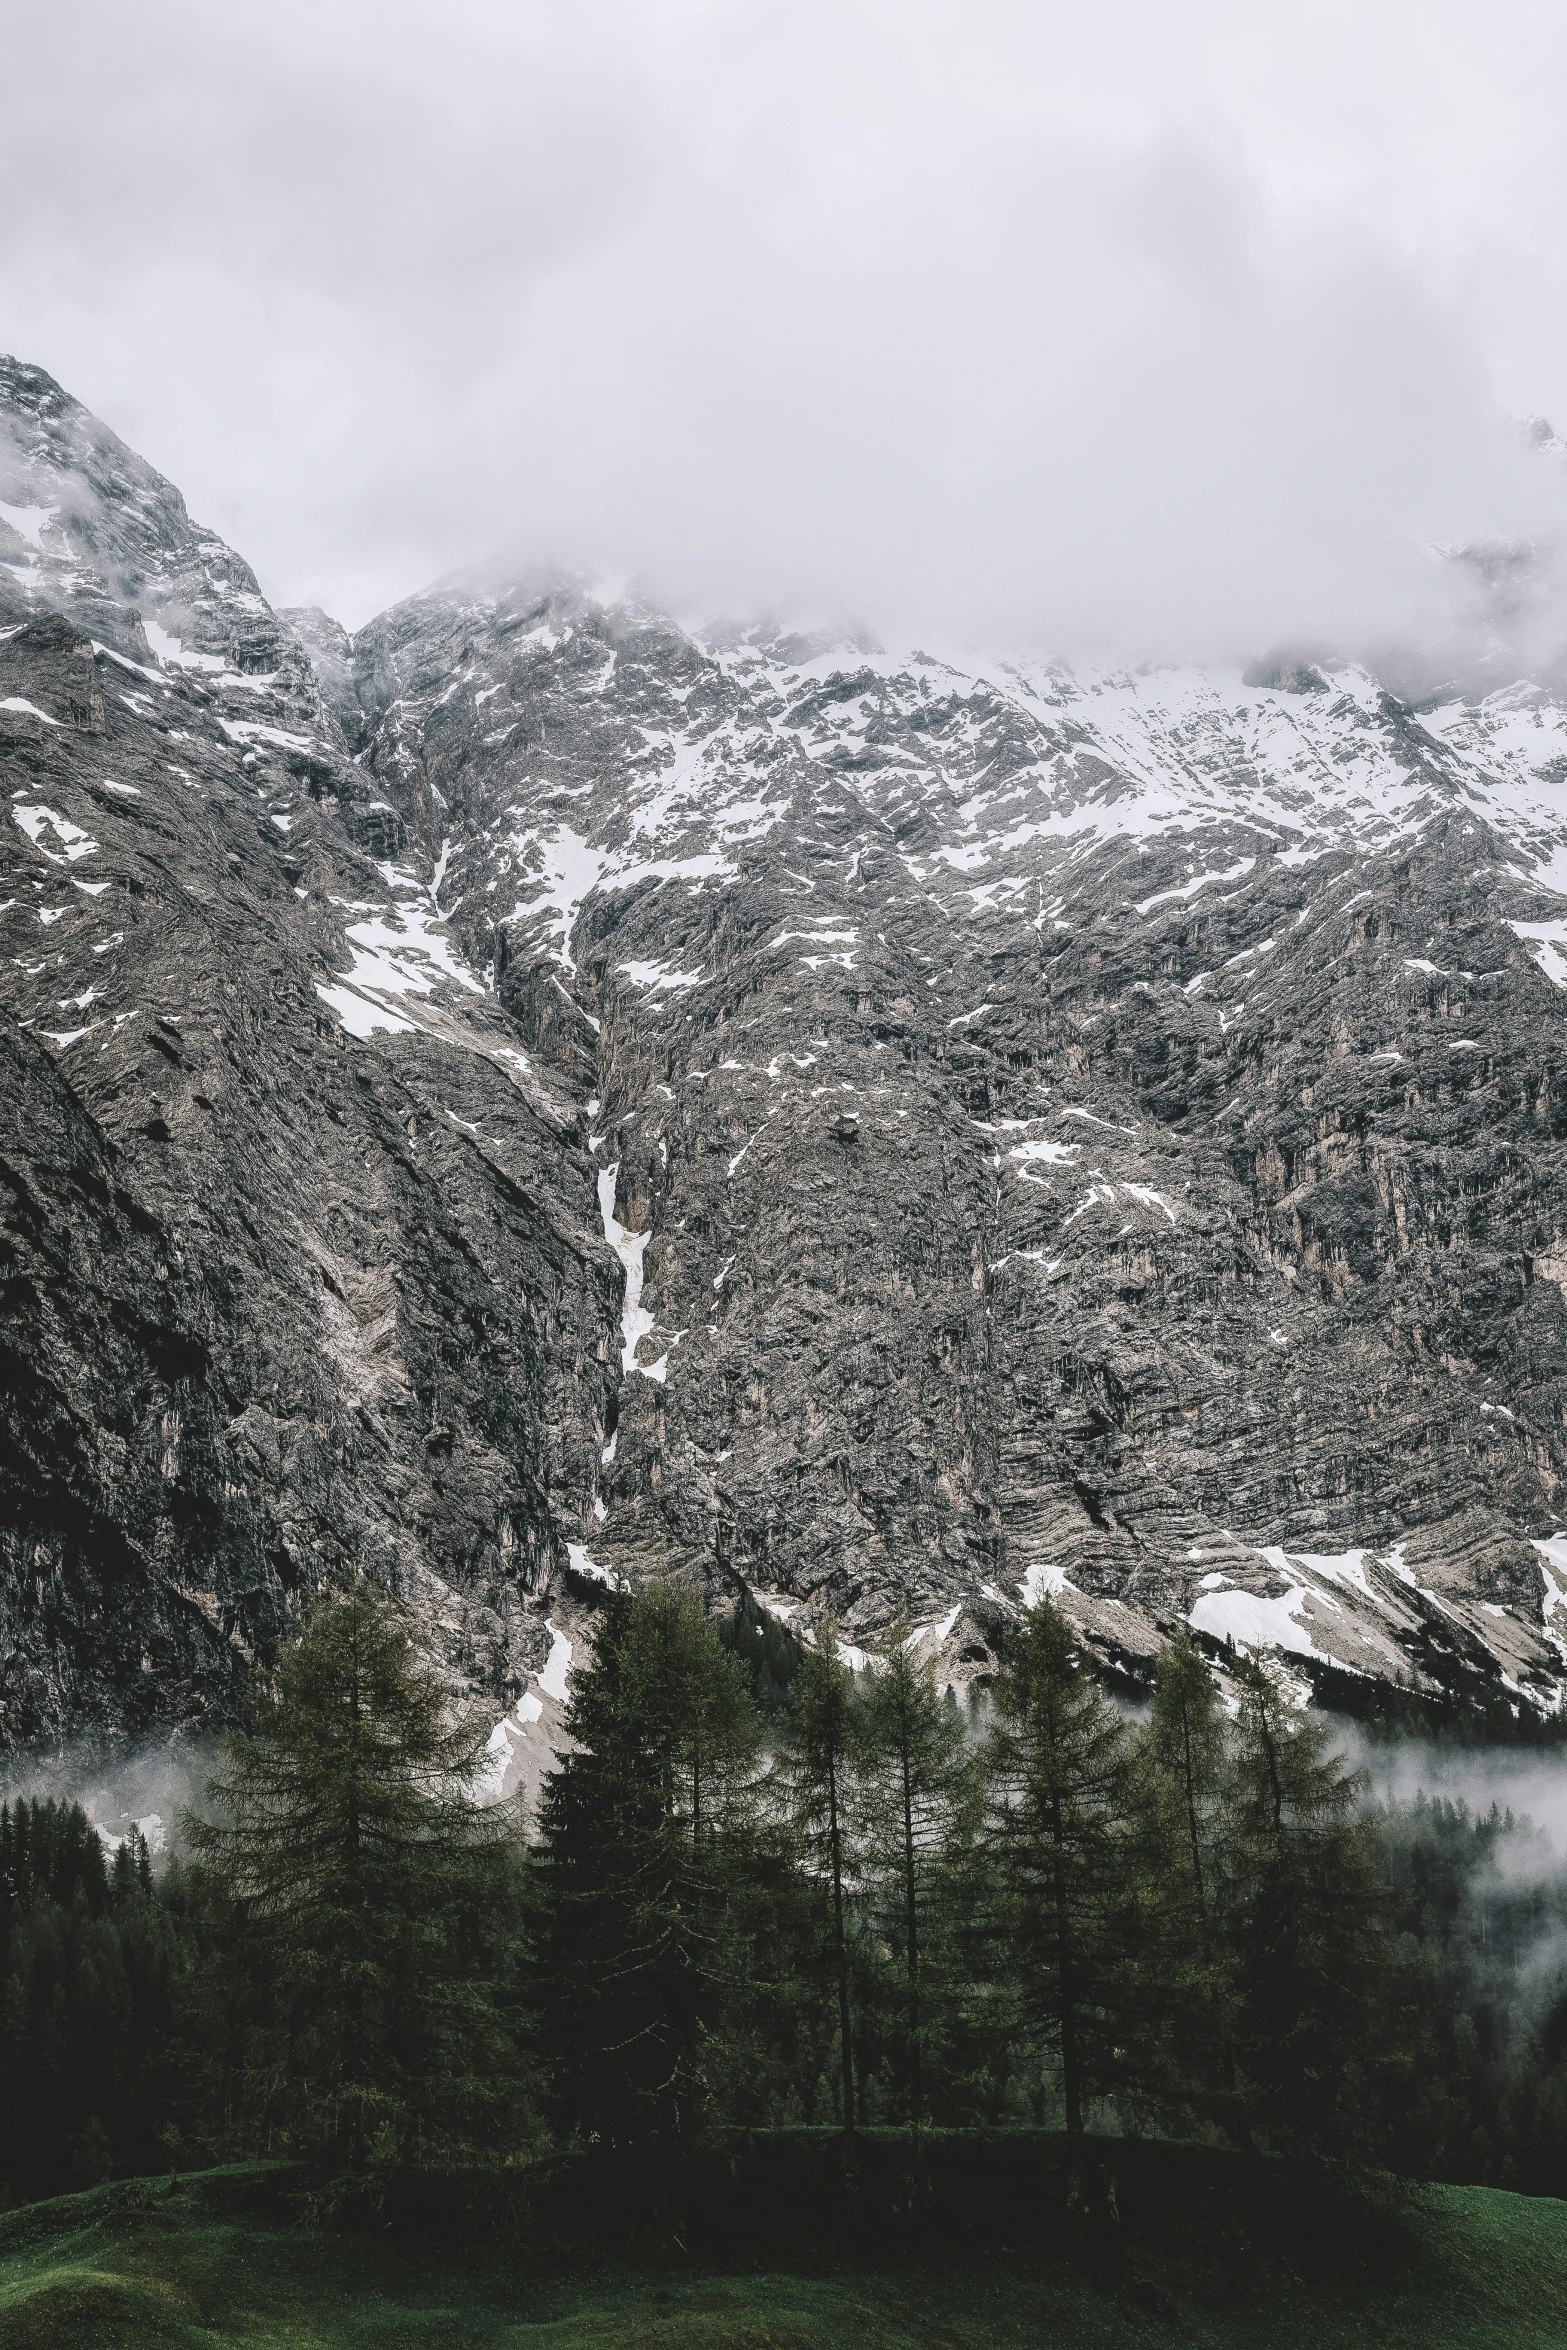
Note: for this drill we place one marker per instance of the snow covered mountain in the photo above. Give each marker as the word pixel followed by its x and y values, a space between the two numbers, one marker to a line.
pixel 882 1129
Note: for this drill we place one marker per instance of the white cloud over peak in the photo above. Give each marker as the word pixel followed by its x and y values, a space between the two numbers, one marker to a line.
pixel 1176 328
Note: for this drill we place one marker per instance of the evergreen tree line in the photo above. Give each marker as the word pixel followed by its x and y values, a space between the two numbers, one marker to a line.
pixel 847 1905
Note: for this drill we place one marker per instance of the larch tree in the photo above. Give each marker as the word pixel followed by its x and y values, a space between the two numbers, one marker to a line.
pixel 1065 1835
pixel 914 1760
pixel 817 1772
pixel 376 1899
pixel 1305 1909
pixel 1186 1758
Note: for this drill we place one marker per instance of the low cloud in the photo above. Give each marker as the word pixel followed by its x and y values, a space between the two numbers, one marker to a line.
pixel 1531 1783
pixel 122 1785
pixel 1133 334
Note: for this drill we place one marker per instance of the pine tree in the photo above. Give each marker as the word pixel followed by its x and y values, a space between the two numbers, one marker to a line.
pixel 90 1969
pixel 817 1761
pixel 1063 1823
pixel 913 1759
pixel 50 1849
pixel 376 1899
pixel 646 1830
pixel 1305 1907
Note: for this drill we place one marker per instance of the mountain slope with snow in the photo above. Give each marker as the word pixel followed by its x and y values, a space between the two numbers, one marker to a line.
pixel 887 1131
pixel 302 1275
pixel 1100 1128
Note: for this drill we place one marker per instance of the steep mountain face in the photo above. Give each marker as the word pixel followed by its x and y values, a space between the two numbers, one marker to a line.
pixel 537 1093
pixel 1096 1134
pixel 289 1285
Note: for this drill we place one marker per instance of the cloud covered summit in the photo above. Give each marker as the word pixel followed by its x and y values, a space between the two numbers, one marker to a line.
pixel 1166 333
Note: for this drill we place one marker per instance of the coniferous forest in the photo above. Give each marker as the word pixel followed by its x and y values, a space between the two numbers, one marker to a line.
pixel 756 1897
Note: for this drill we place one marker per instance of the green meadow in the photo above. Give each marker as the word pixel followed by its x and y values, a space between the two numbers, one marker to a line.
pixel 234 2257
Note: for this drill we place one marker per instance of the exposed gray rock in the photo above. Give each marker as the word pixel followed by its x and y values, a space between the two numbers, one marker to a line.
pixel 1081 1133
pixel 330 651
pixel 880 1130
pixel 296 1280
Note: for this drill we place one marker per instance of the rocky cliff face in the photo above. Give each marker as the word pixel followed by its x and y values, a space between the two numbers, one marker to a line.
pixel 291 1280
pixel 882 1130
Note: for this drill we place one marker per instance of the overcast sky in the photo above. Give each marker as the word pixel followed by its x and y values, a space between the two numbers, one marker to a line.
pixel 1181 324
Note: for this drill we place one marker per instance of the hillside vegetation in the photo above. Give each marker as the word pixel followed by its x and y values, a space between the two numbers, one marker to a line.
pixel 219 2259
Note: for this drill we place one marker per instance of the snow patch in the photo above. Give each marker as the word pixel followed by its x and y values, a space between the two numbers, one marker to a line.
pixel 557 1667
pixel 1054 1154
pixel 170 650
pixel 1149 1199
pixel 35 819
pixel 571 867
pixel 1252 1621
pixel 1546 941
pixel 1044 1582
pixel 652 977
pixel 29 522
pixel 581 1564
pixel 359 1016
pixel 1199 881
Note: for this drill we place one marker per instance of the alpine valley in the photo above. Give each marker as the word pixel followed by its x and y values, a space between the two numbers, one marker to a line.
pixel 536 1093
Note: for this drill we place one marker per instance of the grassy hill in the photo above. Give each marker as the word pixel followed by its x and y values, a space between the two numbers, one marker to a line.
pixel 222 2258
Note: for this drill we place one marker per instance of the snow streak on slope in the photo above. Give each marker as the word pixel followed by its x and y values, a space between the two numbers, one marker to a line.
pixel 400 950
pixel 630 1247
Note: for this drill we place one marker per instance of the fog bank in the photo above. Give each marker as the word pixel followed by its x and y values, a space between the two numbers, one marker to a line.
pixel 144 1786
pixel 1157 331
pixel 1529 1782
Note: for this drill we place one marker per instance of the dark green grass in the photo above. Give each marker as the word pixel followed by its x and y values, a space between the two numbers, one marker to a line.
pixel 220 2260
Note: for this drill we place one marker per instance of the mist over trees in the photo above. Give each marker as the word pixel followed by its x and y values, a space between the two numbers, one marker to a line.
pixel 755 1898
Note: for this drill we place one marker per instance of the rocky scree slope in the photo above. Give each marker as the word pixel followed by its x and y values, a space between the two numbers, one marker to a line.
pixel 551 1094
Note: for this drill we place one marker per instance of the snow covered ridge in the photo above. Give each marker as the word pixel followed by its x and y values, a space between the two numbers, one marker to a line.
pixel 995 774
